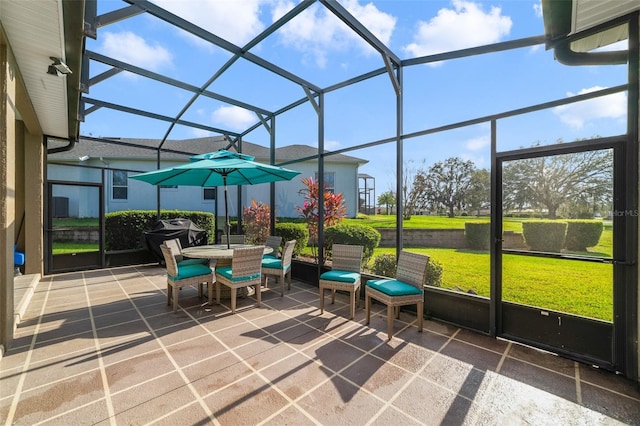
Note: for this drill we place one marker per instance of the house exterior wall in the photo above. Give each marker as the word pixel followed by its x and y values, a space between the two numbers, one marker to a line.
pixel 143 196
pixel 7 193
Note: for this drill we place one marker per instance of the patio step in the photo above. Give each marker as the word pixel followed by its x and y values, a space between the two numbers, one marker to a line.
pixel 24 287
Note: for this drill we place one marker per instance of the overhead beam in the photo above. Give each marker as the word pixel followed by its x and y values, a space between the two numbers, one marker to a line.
pixel 343 14
pixel 170 81
pixel 391 71
pixel 218 41
pixel 155 116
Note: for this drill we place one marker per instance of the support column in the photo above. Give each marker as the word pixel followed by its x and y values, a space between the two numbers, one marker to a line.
pixel 34 153
pixel 7 194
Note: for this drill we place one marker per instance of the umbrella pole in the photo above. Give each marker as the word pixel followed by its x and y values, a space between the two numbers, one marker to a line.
pixel 227 226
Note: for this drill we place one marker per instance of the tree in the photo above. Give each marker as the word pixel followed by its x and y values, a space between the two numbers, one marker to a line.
pixel 445 185
pixel 559 181
pixel 387 199
pixel 411 192
pixel 334 209
pixel 479 195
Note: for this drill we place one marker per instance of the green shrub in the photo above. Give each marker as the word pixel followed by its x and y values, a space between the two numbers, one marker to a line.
pixel 384 265
pixel 293 231
pixel 582 234
pixel 434 273
pixel 544 235
pixel 477 235
pixel 124 229
pixel 362 235
pixel 257 222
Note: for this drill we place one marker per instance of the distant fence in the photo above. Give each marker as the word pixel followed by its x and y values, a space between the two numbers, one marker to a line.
pixel 442 238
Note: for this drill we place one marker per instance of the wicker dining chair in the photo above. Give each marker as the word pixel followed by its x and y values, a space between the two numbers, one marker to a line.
pixel 234 239
pixel 279 268
pixel 344 275
pixel 405 289
pixel 274 242
pixel 245 271
pixel 176 246
pixel 181 276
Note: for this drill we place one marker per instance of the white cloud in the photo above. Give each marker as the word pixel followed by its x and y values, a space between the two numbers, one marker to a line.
pixel 478 143
pixel 200 133
pixel 233 117
pixel 576 115
pixel 237 21
pixel 131 48
pixel 478 160
pixel 316 32
pixel 331 145
pixel 537 9
pixel 466 25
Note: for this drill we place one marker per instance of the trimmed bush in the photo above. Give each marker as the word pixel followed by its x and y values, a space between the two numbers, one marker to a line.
pixel 361 235
pixel 434 273
pixel 293 231
pixel 124 229
pixel 582 234
pixel 544 235
pixel 477 235
pixel 385 265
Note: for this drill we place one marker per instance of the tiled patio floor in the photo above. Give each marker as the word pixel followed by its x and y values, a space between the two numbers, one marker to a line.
pixel 103 347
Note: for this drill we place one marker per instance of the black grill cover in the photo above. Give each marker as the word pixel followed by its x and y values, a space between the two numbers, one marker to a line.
pixel 184 229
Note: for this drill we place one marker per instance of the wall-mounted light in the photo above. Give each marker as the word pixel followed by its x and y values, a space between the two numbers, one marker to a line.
pixel 58 67
pixel 84 158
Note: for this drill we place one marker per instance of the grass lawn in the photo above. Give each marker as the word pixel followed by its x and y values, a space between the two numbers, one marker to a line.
pixel 69 222
pixel 69 248
pixel 580 288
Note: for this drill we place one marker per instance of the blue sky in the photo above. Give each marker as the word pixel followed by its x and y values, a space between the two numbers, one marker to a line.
pixel 321 49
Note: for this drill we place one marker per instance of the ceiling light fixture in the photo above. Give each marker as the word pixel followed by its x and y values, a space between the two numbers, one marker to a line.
pixel 58 67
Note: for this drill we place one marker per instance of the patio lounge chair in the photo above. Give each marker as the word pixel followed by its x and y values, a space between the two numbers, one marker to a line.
pixel 405 289
pixel 181 276
pixel 245 270
pixel 344 275
pixel 280 268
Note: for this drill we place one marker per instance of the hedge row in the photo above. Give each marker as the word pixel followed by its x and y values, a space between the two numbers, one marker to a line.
pixel 124 229
pixel 385 265
pixel 553 235
pixel 363 235
pixel 293 231
pixel 543 235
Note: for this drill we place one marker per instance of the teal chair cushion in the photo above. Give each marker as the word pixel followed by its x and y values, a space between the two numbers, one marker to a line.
pixel 272 263
pixel 226 272
pixel 340 276
pixel 393 287
pixel 190 271
pixel 270 256
pixel 187 262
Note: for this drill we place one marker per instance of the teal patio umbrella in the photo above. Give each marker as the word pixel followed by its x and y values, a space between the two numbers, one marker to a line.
pixel 219 168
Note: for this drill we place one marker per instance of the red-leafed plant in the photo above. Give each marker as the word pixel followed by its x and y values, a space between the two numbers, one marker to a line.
pixel 334 210
pixel 257 222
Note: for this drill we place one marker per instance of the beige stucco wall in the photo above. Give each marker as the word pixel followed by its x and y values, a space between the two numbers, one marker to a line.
pixel 7 192
pixel 21 186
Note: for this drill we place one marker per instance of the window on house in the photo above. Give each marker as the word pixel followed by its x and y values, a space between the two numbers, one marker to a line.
pixel 119 185
pixel 329 181
pixel 208 194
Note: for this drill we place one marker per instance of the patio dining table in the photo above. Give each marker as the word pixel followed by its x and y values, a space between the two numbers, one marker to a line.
pixel 218 252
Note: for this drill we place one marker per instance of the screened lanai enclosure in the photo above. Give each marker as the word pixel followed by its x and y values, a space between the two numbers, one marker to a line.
pixel 542 142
